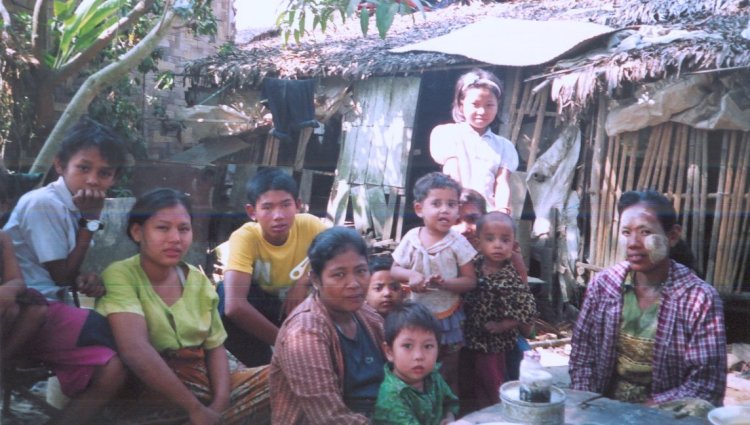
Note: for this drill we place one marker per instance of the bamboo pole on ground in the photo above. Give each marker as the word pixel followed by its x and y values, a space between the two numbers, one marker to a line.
pixel 711 268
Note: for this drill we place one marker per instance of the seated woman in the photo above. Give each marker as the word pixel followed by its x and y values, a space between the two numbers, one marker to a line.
pixel 327 364
pixel 650 330
pixel 164 318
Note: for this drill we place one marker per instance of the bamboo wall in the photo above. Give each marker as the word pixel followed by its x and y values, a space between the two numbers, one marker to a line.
pixel 705 174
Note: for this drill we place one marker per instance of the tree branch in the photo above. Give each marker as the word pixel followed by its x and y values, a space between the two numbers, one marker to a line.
pixel 79 61
pixel 6 20
pixel 39 30
pixel 94 85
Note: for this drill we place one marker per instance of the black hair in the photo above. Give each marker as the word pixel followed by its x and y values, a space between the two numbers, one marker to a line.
pixel 332 242
pixel 409 315
pixel 471 196
pixel 154 200
pixel 495 216
pixel 434 180
pixel 476 78
pixel 379 263
pixel 666 215
pixel 269 179
pixel 87 133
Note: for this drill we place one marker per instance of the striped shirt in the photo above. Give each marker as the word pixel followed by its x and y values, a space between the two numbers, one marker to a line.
pixel 690 353
pixel 307 368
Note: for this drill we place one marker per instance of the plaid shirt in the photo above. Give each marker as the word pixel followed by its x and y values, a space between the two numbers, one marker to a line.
pixel 307 368
pixel 690 353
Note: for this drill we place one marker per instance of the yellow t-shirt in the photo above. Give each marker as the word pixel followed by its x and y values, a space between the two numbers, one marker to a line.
pixel 192 321
pixel 269 264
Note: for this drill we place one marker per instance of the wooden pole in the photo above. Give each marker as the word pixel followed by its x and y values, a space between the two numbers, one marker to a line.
pixel 538 127
pixel 507 128
pixel 743 203
pixel 726 219
pixel 606 213
pixel 691 206
pixel 735 227
pixel 597 161
pixel 651 147
pixel 681 177
pixel 711 268
pixel 620 181
pixel 703 146
pixel 520 113
pixel 632 141
pixel 663 162
pixel 612 239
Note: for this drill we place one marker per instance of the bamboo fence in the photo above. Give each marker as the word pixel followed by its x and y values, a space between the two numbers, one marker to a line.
pixel 705 174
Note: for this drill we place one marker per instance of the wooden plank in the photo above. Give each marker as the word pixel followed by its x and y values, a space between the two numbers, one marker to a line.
pixel 360 208
pixel 209 151
pixel 338 202
pixel 305 186
pixel 381 211
pixel 513 86
pixel 358 173
pixel 304 137
pixel 399 137
pixel 346 155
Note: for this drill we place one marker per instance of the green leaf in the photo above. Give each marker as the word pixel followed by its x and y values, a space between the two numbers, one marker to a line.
pixel 296 36
pixel 301 26
pixel 364 20
pixel 316 21
pixel 384 17
pixel 63 9
pixel 351 8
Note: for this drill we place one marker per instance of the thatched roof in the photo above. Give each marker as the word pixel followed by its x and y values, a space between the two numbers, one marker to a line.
pixel 343 51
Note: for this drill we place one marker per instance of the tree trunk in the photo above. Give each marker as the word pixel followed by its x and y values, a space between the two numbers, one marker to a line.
pixel 94 85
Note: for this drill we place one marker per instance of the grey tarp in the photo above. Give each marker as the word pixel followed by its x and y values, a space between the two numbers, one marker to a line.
pixel 512 42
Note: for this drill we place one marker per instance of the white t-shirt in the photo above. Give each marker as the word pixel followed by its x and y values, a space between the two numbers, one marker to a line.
pixel 478 157
pixel 43 227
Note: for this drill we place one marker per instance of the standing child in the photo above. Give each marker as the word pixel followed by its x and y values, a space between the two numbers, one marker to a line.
pixel 384 292
pixel 468 150
pixel 413 392
pixel 498 309
pixel 436 262
pixel 52 228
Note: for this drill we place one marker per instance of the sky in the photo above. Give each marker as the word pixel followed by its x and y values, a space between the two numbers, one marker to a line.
pixel 256 13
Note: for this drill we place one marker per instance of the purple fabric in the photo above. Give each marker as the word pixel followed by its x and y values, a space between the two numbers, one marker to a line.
pixel 690 354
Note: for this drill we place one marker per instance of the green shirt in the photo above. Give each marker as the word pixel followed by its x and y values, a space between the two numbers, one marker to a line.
pixel 192 321
pixel 401 404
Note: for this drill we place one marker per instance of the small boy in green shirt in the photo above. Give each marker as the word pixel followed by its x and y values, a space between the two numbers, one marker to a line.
pixel 413 392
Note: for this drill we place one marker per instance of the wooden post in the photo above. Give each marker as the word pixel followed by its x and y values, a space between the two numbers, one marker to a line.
pixel 594 192
pixel 538 128
pixel 711 268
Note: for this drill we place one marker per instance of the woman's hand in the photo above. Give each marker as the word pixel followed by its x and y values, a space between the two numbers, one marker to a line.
pixel 436 281
pixel 204 415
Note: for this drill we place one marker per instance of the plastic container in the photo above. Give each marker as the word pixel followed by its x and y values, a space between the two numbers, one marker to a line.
pixel 535 382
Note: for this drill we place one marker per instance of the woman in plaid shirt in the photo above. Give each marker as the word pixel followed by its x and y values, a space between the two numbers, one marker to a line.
pixel 650 331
